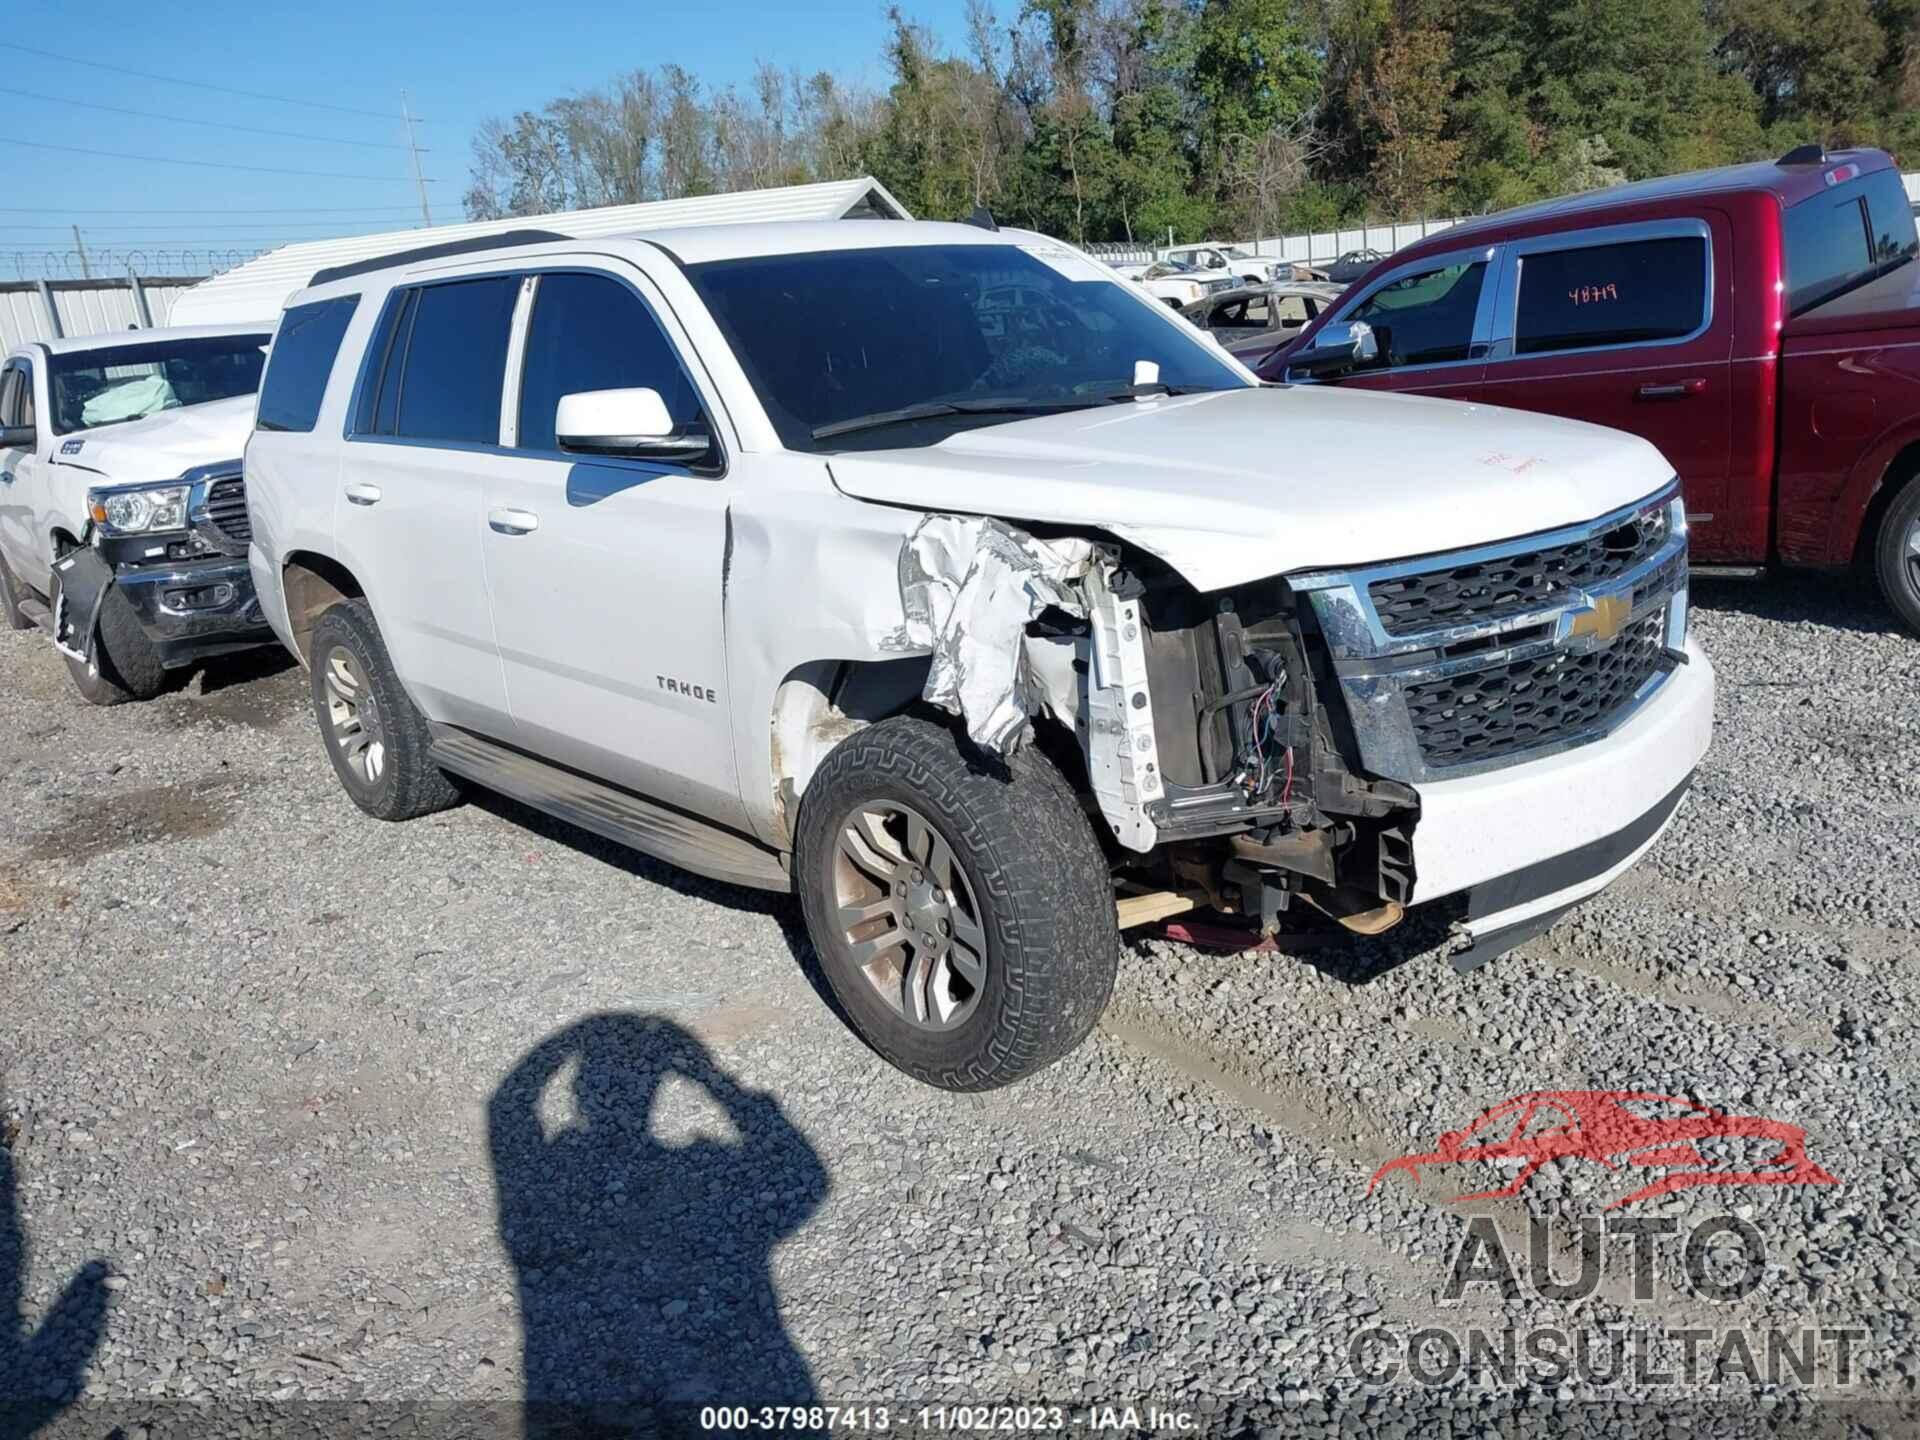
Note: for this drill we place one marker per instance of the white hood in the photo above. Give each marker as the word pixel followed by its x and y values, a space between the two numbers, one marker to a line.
pixel 1242 484
pixel 163 445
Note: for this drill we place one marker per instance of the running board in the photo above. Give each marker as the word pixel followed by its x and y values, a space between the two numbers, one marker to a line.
pixel 617 814
pixel 1727 572
pixel 37 613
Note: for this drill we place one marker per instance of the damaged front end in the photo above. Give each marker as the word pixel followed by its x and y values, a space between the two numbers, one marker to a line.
pixel 177 552
pixel 1226 776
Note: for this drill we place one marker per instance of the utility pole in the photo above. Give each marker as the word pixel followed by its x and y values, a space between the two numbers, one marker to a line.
pixel 419 179
pixel 81 246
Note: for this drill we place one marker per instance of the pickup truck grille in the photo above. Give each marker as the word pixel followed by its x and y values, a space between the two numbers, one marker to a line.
pixel 227 509
pixel 1506 709
pixel 1507 585
pixel 1469 661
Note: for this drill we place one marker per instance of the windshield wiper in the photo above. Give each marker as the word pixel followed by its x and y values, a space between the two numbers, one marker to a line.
pixel 934 409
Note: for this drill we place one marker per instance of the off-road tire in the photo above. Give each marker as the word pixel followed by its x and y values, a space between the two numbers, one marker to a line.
pixel 1037 874
pixel 409 783
pixel 125 664
pixel 1895 566
pixel 12 592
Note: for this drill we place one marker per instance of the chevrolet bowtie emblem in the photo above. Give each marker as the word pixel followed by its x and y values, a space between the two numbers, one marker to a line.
pixel 1601 619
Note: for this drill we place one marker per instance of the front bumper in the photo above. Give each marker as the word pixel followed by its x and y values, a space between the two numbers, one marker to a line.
pixel 195 609
pixel 1529 841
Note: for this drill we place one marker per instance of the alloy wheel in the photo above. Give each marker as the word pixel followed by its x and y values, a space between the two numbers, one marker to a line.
pixel 908 915
pixel 353 717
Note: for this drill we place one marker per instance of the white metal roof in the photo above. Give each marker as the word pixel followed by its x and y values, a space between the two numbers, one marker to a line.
pixel 159 335
pixel 259 289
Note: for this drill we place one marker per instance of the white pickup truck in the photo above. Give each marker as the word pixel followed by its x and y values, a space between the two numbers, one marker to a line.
pixel 123 515
pixel 991 614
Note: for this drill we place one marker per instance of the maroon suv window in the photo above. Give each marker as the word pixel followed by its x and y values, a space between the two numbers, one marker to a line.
pixel 1626 294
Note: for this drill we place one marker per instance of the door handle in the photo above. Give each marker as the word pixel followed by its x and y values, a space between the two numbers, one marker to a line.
pixel 513 522
pixel 364 494
pixel 1671 390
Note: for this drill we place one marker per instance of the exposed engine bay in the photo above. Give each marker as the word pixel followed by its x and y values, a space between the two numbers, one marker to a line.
pixel 1223 774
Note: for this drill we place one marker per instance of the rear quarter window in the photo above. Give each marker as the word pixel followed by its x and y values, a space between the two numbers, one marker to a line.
pixel 1839 240
pixel 300 361
pixel 1636 292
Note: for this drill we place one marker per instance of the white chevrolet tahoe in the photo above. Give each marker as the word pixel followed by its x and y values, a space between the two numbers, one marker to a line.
pixel 123 516
pixel 991 613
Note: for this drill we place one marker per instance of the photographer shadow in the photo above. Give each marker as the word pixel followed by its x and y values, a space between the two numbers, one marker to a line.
pixel 42 1372
pixel 642 1256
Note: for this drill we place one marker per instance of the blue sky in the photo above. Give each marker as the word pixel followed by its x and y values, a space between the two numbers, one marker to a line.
pixel 458 65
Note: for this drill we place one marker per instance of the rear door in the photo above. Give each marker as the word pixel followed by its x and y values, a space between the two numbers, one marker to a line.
pixel 1627 326
pixel 1432 319
pixel 425 427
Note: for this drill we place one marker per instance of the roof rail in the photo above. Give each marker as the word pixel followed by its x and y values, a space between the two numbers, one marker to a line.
pixel 1804 155
pixel 434 252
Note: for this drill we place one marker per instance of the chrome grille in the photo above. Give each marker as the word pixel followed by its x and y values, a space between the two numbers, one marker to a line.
pixel 1463 662
pixel 1507 709
pixel 1506 585
pixel 227 509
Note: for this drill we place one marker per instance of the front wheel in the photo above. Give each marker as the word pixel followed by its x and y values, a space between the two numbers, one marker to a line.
pixel 961 907
pixel 1897 555
pixel 124 664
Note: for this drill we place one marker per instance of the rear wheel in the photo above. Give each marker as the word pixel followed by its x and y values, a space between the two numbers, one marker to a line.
pixel 961 909
pixel 123 664
pixel 378 742
pixel 1897 555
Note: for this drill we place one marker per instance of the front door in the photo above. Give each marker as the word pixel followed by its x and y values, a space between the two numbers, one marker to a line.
pixel 1431 321
pixel 19 475
pixel 1622 326
pixel 608 574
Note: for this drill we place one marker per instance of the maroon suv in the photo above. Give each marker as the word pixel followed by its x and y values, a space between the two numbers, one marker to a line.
pixel 1759 323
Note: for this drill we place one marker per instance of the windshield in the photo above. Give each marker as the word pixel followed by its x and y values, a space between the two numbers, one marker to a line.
pixel 90 388
pixel 979 333
pixel 1839 240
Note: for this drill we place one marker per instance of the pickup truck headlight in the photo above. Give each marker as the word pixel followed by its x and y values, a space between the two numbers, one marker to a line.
pixel 141 510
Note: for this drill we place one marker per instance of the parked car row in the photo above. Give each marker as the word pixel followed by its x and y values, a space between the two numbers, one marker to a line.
pixel 990 616
pixel 1759 323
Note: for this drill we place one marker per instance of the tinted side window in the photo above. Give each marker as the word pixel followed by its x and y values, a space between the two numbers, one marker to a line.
pixel 1425 318
pixel 590 332
pixel 300 361
pixel 1625 294
pixel 1839 240
pixel 455 361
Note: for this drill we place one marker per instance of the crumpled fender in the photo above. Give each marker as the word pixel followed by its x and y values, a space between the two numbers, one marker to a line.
pixel 81 581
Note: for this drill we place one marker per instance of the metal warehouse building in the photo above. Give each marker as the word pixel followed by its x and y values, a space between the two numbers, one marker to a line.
pixel 258 289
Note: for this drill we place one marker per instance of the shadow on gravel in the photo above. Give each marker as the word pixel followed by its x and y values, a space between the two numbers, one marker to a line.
pixel 1838 601
pixel 40 1373
pixel 640 1240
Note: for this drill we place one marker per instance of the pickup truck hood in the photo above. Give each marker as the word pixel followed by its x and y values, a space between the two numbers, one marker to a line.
pixel 161 446
pixel 1242 484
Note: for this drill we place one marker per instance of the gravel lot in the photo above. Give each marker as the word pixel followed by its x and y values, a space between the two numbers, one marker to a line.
pixel 303 1106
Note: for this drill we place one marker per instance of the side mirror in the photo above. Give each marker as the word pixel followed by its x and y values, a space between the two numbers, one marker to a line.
pixel 1342 345
pixel 16 437
pixel 623 422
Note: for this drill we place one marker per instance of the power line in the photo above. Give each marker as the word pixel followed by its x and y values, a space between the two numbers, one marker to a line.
pixel 203 210
pixel 255 228
pixel 209 164
pixel 213 124
pixel 196 84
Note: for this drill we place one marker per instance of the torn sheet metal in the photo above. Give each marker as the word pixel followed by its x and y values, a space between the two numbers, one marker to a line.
pixel 969 588
pixel 82 580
